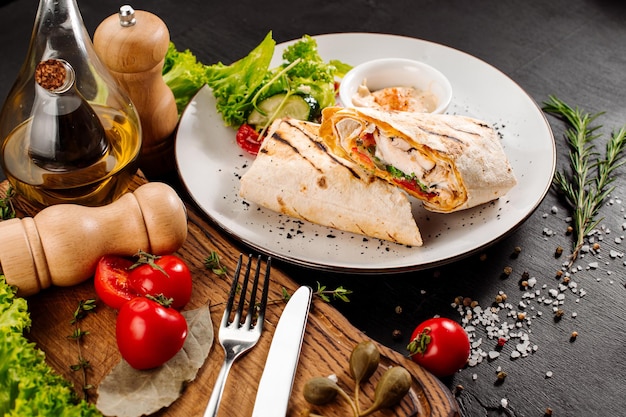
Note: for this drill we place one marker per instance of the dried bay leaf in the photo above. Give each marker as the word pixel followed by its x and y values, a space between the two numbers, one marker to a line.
pixel 128 392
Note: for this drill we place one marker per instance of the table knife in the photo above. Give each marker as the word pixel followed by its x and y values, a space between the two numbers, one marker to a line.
pixel 272 397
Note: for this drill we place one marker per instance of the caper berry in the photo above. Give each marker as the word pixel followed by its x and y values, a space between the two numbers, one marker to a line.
pixel 320 390
pixel 391 388
pixel 364 361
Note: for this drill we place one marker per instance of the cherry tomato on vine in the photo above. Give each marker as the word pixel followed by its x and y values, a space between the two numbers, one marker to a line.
pixel 440 345
pixel 168 275
pixel 118 279
pixel 111 281
pixel 148 333
pixel 248 139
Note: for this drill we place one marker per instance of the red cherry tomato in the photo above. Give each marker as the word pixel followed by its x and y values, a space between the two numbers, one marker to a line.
pixel 248 139
pixel 440 345
pixel 111 281
pixel 167 275
pixel 149 334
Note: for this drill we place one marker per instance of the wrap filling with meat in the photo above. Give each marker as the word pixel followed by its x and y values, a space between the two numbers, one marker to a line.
pixel 449 162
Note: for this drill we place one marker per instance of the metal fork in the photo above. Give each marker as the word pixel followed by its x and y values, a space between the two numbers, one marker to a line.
pixel 237 337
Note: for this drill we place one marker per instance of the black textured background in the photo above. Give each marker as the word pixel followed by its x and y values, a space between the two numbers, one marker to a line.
pixel 575 50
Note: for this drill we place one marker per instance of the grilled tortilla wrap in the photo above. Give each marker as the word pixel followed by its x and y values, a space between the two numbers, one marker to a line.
pixel 449 162
pixel 295 174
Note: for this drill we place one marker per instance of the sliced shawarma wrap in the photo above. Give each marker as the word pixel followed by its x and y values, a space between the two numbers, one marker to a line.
pixel 295 174
pixel 449 162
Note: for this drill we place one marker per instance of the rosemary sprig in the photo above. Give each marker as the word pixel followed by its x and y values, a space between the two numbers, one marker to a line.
pixel 587 183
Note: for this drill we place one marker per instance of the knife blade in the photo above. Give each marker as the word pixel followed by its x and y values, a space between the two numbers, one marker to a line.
pixel 272 397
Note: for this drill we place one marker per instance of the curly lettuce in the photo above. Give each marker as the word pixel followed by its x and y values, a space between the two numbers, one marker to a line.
pixel 312 74
pixel 239 87
pixel 235 85
pixel 28 386
pixel 183 74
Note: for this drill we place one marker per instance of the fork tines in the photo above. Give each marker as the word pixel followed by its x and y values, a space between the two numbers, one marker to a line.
pixel 253 306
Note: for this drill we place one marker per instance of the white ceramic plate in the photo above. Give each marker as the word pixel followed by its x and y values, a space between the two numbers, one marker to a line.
pixel 210 164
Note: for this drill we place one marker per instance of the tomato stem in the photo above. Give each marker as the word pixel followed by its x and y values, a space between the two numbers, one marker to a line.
pixel 161 299
pixel 145 258
pixel 420 343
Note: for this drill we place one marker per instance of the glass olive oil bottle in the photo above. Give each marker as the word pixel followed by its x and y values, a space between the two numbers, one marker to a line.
pixel 69 132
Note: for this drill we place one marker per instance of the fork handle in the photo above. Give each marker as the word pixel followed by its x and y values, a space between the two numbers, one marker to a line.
pixel 218 389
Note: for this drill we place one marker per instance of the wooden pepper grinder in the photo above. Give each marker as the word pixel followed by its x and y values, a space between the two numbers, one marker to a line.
pixel 133 45
pixel 62 244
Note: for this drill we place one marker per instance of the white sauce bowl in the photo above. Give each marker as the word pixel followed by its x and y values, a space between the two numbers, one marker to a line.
pixel 396 72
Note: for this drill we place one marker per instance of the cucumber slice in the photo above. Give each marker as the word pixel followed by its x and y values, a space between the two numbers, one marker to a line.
pixel 277 106
pixel 316 111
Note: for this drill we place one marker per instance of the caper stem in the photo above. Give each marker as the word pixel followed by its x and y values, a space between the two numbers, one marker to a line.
pixel 355 410
pixel 357 390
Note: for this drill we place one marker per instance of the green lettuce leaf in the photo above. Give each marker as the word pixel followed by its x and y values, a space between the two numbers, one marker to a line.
pixel 234 85
pixel 239 87
pixel 28 386
pixel 183 74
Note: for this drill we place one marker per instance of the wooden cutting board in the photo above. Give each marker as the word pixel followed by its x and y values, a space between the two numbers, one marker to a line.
pixel 328 341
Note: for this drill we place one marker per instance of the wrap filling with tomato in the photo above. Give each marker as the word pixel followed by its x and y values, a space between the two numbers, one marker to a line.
pixel 294 173
pixel 449 162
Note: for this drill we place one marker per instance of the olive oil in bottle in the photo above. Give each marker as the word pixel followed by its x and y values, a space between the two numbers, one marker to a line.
pixel 92 185
pixel 69 151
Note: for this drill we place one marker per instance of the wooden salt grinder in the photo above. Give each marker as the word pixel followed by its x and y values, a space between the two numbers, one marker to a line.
pixel 133 44
pixel 62 244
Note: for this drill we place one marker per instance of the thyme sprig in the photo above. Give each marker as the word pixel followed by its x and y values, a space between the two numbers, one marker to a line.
pixel 7 211
pixel 589 180
pixel 78 334
pixel 213 263
pixel 325 294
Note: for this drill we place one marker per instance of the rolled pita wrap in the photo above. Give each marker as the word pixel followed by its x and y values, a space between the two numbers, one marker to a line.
pixel 449 162
pixel 295 174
